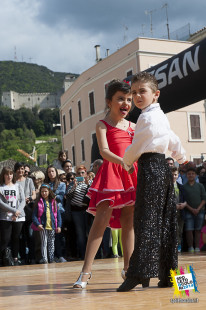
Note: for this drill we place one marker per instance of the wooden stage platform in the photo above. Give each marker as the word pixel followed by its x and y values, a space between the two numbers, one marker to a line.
pixel 49 287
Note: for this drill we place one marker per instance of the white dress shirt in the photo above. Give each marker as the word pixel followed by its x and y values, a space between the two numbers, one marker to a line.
pixel 153 134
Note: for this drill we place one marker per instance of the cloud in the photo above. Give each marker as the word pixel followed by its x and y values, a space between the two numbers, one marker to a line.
pixel 61 34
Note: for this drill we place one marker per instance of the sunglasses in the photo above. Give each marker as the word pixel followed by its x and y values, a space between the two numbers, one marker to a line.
pixel 72 179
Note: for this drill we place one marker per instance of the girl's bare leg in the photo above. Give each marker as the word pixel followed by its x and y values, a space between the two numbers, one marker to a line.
pixel 126 221
pixel 99 225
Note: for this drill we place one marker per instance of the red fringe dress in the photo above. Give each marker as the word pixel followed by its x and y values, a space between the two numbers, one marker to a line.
pixel 112 182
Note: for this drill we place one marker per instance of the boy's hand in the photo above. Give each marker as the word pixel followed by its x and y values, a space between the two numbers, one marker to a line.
pixel 58 230
pixel 40 227
pixel 131 170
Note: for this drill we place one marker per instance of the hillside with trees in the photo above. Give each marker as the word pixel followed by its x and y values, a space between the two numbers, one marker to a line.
pixel 19 129
pixel 24 77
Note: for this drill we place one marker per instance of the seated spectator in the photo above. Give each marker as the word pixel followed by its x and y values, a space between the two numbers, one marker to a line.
pixel 57 163
pixel 195 197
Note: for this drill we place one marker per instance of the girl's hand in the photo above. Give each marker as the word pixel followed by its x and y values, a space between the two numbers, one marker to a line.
pixel 58 230
pixel 40 227
pixel 17 213
pixel 14 218
pixel 86 180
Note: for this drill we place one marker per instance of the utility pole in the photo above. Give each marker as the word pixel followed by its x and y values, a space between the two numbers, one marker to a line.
pixel 168 31
pixel 150 13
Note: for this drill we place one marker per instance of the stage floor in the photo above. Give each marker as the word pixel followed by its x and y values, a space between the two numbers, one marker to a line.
pixel 49 287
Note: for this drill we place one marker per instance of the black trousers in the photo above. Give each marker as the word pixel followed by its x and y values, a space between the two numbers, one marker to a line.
pixel 10 232
pixel 155 251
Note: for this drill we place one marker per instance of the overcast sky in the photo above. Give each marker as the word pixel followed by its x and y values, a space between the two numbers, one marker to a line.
pixel 61 34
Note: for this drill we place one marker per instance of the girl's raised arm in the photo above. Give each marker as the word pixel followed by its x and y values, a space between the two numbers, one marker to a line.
pixel 101 131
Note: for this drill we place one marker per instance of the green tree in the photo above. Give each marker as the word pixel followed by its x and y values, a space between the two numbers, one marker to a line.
pixel 39 128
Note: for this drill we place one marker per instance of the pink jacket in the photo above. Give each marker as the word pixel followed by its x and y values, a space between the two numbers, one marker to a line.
pixel 39 215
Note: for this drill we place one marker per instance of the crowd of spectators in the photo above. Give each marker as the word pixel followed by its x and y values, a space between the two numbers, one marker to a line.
pixel 21 227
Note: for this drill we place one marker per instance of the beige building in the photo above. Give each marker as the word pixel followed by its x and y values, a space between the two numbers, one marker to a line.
pixel 83 104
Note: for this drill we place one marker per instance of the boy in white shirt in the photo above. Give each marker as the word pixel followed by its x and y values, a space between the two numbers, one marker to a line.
pixel 155 251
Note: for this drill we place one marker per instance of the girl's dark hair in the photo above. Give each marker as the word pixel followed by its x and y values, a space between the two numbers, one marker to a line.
pixel 47 180
pixel 6 170
pixel 115 86
pixel 61 153
pixel 69 175
pixel 51 195
pixel 18 165
pixel 66 161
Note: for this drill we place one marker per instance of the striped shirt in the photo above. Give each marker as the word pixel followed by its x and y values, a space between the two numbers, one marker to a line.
pixel 77 194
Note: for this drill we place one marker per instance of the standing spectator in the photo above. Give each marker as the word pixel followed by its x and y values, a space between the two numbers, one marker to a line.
pixel 170 161
pixel 26 241
pixel 12 216
pixel 27 171
pixel 59 189
pixel 194 214
pixel 62 156
pixel 104 249
pixel 38 179
pixel 180 205
pixel 69 227
pixel 46 220
pixel 78 208
pixel 96 165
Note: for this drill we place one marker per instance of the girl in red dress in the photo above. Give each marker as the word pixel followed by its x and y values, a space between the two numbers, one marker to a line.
pixel 113 191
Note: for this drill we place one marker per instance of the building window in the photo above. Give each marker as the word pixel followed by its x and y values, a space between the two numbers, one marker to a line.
pixel 195 127
pixel 197 160
pixel 83 150
pixel 129 73
pixel 64 124
pixel 70 118
pixel 80 111
pixel 28 99
pixel 91 102
pixel 73 156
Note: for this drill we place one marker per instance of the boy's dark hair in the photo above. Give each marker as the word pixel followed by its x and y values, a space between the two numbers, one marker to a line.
pixel 170 158
pixel 146 77
pixel 174 169
pixel 191 169
pixel 115 86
